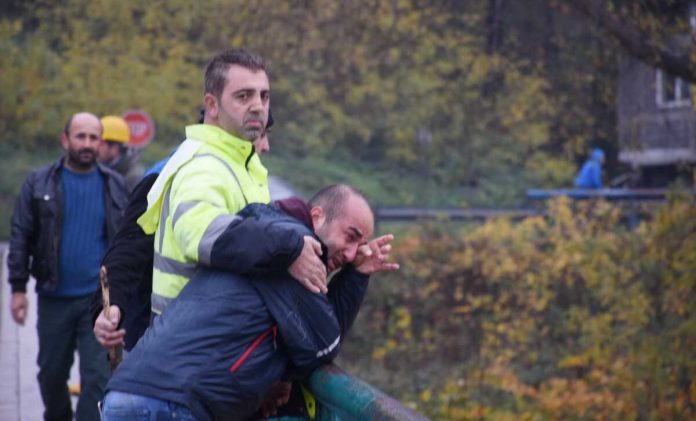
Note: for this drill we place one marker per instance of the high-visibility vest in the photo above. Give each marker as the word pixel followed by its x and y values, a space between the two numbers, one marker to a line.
pixel 210 178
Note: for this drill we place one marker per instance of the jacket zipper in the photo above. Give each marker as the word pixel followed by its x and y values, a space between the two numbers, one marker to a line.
pixel 246 163
pixel 273 330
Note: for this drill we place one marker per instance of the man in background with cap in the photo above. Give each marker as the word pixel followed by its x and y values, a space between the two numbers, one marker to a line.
pixel 115 153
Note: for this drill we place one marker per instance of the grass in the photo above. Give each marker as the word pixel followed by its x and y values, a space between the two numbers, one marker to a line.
pixel 390 186
pixel 383 186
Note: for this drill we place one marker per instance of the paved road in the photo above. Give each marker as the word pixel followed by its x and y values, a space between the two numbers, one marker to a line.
pixel 19 391
pixel 279 189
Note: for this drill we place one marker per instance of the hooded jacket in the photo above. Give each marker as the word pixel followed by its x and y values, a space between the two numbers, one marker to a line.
pixel 590 175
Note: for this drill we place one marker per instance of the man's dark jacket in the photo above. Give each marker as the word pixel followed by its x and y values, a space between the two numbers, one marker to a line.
pixel 128 262
pixel 37 222
pixel 219 346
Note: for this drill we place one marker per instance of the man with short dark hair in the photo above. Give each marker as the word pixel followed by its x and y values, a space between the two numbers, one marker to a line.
pixel 128 262
pixel 212 175
pixel 63 220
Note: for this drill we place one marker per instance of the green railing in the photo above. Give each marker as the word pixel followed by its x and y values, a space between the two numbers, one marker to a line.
pixel 340 396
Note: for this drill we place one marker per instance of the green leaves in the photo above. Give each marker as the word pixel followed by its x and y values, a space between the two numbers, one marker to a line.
pixel 400 86
pixel 565 317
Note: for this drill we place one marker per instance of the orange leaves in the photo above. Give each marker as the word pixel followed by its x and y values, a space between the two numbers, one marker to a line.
pixel 571 316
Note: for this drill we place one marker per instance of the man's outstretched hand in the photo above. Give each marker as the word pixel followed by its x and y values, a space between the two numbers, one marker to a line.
pixel 308 268
pixel 374 256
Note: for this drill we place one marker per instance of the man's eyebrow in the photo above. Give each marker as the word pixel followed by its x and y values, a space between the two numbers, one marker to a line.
pixel 355 231
pixel 251 89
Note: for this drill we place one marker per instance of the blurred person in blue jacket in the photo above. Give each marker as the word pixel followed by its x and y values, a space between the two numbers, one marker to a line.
pixel 590 175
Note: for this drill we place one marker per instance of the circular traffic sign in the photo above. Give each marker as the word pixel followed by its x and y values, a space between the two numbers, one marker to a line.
pixel 141 126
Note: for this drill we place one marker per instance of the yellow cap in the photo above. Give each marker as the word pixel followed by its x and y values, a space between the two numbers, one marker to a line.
pixel 115 129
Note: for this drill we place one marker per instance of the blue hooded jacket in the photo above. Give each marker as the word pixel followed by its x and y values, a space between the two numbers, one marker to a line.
pixel 590 175
pixel 220 345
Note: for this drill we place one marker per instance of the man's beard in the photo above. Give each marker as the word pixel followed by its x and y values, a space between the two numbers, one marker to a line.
pixel 77 161
pixel 252 133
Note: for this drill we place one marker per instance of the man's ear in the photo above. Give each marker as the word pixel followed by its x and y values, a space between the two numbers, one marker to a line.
pixel 318 217
pixel 64 141
pixel 211 106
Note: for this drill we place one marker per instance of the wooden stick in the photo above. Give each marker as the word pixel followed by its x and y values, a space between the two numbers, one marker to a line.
pixel 115 353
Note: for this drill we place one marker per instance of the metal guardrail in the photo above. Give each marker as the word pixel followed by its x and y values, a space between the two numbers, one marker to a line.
pixel 477 214
pixel 608 194
pixel 401 214
pixel 340 396
pixel 411 214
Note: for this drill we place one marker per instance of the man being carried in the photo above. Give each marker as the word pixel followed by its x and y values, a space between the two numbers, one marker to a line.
pixel 216 349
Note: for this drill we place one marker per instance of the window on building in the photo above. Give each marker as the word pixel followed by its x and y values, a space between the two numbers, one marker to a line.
pixel 672 91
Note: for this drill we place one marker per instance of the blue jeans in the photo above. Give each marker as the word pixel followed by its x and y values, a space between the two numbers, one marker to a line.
pixel 64 324
pixel 121 406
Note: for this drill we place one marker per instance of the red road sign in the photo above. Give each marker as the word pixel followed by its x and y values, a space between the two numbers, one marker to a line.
pixel 141 126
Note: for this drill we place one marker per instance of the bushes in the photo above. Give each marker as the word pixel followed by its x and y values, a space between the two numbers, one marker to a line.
pixel 566 317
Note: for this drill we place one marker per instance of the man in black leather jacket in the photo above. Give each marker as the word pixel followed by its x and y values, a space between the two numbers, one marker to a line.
pixel 65 216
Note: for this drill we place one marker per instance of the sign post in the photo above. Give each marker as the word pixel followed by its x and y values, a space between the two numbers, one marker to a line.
pixel 141 126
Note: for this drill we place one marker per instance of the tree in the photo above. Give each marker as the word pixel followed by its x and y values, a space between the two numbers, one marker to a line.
pixel 570 316
pixel 656 32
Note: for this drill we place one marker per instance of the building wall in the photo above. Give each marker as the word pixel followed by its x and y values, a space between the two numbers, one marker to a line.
pixel 650 134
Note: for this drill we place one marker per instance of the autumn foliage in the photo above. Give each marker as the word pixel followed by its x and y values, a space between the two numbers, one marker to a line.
pixel 570 316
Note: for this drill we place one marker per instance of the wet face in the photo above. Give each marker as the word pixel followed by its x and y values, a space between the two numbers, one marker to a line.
pixel 242 109
pixel 82 142
pixel 346 232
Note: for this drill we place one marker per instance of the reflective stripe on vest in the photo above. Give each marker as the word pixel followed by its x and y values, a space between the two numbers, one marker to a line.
pixel 181 210
pixel 166 265
pixel 159 302
pixel 211 234
pixel 329 348
pixel 163 219
pixel 172 272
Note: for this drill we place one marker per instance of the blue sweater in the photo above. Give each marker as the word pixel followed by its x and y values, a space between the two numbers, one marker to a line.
pixel 83 238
